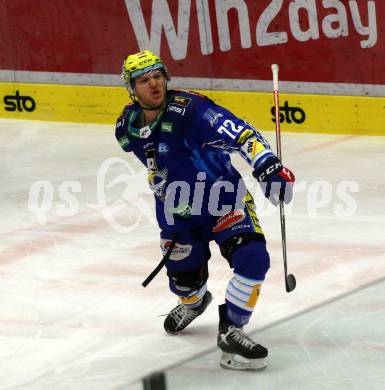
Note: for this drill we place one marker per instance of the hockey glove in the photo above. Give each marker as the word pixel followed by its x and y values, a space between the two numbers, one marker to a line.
pixel 276 181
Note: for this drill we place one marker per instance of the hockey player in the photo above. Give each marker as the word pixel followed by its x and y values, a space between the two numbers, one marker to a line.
pixel 185 141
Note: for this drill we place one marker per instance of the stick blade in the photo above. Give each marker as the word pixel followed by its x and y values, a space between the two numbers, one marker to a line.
pixel 290 283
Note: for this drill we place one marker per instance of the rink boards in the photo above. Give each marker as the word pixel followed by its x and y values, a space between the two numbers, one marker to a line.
pixel 102 105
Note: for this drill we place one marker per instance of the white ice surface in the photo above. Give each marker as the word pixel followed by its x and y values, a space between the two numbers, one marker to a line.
pixel 73 313
pixel 337 345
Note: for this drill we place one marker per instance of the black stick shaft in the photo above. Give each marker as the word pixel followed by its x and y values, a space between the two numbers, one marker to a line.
pixel 161 264
pixel 283 236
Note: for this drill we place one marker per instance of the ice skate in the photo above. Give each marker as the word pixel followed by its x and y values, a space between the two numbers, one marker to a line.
pixel 239 351
pixel 181 316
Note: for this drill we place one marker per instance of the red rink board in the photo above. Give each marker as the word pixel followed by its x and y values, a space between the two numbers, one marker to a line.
pixel 332 41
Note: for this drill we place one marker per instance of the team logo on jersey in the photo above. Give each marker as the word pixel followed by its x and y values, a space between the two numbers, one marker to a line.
pixel 179 252
pixel 124 141
pixel 151 162
pixel 242 226
pixel 157 182
pixel 148 145
pixel 120 123
pixel 229 220
pixel 250 207
pixel 245 135
pixel 166 127
pixel 145 132
pixel 212 117
pixel 163 148
pixel 180 101
pixel 184 210
pixel 251 148
pixel 176 109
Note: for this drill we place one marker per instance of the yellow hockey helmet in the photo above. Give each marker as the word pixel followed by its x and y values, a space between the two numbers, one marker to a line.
pixel 140 63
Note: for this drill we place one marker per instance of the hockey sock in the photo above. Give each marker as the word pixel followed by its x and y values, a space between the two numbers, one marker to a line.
pixel 194 299
pixel 241 297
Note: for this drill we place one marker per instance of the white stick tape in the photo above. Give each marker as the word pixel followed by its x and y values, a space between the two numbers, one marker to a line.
pixel 275 69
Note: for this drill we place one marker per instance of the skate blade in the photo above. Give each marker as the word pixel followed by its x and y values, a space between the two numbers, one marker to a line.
pixel 232 361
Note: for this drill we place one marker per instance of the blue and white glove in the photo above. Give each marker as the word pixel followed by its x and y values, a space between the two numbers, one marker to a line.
pixel 276 181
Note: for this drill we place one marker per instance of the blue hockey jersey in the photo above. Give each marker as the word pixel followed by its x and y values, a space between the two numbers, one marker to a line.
pixel 187 154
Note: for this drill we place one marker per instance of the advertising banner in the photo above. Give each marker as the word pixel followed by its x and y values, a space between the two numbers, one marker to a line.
pixel 313 41
pixel 226 47
pixel 298 112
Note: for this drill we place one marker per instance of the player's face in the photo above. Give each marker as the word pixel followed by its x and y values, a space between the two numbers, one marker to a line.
pixel 150 89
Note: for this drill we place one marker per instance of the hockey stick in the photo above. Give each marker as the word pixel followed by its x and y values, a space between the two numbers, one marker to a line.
pixel 290 281
pixel 161 264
